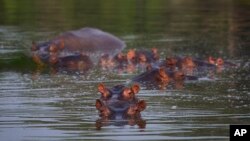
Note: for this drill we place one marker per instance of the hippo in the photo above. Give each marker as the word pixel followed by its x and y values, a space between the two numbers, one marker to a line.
pixel 161 78
pixel 72 64
pixel 142 56
pixel 87 41
pixel 221 64
pixel 119 103
pixel 188 65
pixel 132 61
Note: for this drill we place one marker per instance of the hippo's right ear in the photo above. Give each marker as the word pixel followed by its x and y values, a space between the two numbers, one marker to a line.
pixel 34 46
pixel 135 88
pixel 98 104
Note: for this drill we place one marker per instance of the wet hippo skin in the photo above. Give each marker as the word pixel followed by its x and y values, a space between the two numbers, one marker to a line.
pixel 119 106
pixel 86 41
pixel 72 64
pixel 119 100
pixel 161 78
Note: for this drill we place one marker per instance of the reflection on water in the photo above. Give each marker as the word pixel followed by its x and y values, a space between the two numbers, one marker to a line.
pixel 41 105
pixel 134 121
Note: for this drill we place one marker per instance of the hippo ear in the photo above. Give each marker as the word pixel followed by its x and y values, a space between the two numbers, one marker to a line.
pixel 154 50
pixel 131 54
pixel 98 104
pixel 53 47
pixel 141 105
pixel 104 91
pixel 34 46
pixel 211 60
pixel 101 88
pixel 135 88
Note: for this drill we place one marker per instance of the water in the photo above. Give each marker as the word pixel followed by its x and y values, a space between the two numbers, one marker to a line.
pixel 45 106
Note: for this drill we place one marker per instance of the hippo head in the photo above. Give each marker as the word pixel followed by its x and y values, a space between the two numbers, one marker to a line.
pixel 46 52
pixel 119 102
pixel 120 113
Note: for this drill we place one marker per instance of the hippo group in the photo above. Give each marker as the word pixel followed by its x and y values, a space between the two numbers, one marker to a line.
pixel 82 49
pixel 78 49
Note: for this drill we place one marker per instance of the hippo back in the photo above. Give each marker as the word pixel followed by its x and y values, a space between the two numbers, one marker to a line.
pixel 91 42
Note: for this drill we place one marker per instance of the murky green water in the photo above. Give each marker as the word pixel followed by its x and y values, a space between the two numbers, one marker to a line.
pixel 45 106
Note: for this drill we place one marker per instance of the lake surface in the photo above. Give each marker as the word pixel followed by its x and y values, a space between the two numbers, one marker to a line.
pixel 38 105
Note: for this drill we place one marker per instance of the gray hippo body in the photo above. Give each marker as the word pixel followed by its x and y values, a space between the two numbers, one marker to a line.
pixel 87 41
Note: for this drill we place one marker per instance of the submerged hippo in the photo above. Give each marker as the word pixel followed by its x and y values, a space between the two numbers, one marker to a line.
pixel 86 41
pixel 188 65
pixel 72 64
pixel 130 62
pixel 119 103
pixel 221 64
pixel 160 78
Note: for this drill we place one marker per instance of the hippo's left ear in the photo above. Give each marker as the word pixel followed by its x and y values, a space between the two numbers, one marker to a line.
pixel 135 88
pixel 141 105
pixel 101 88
